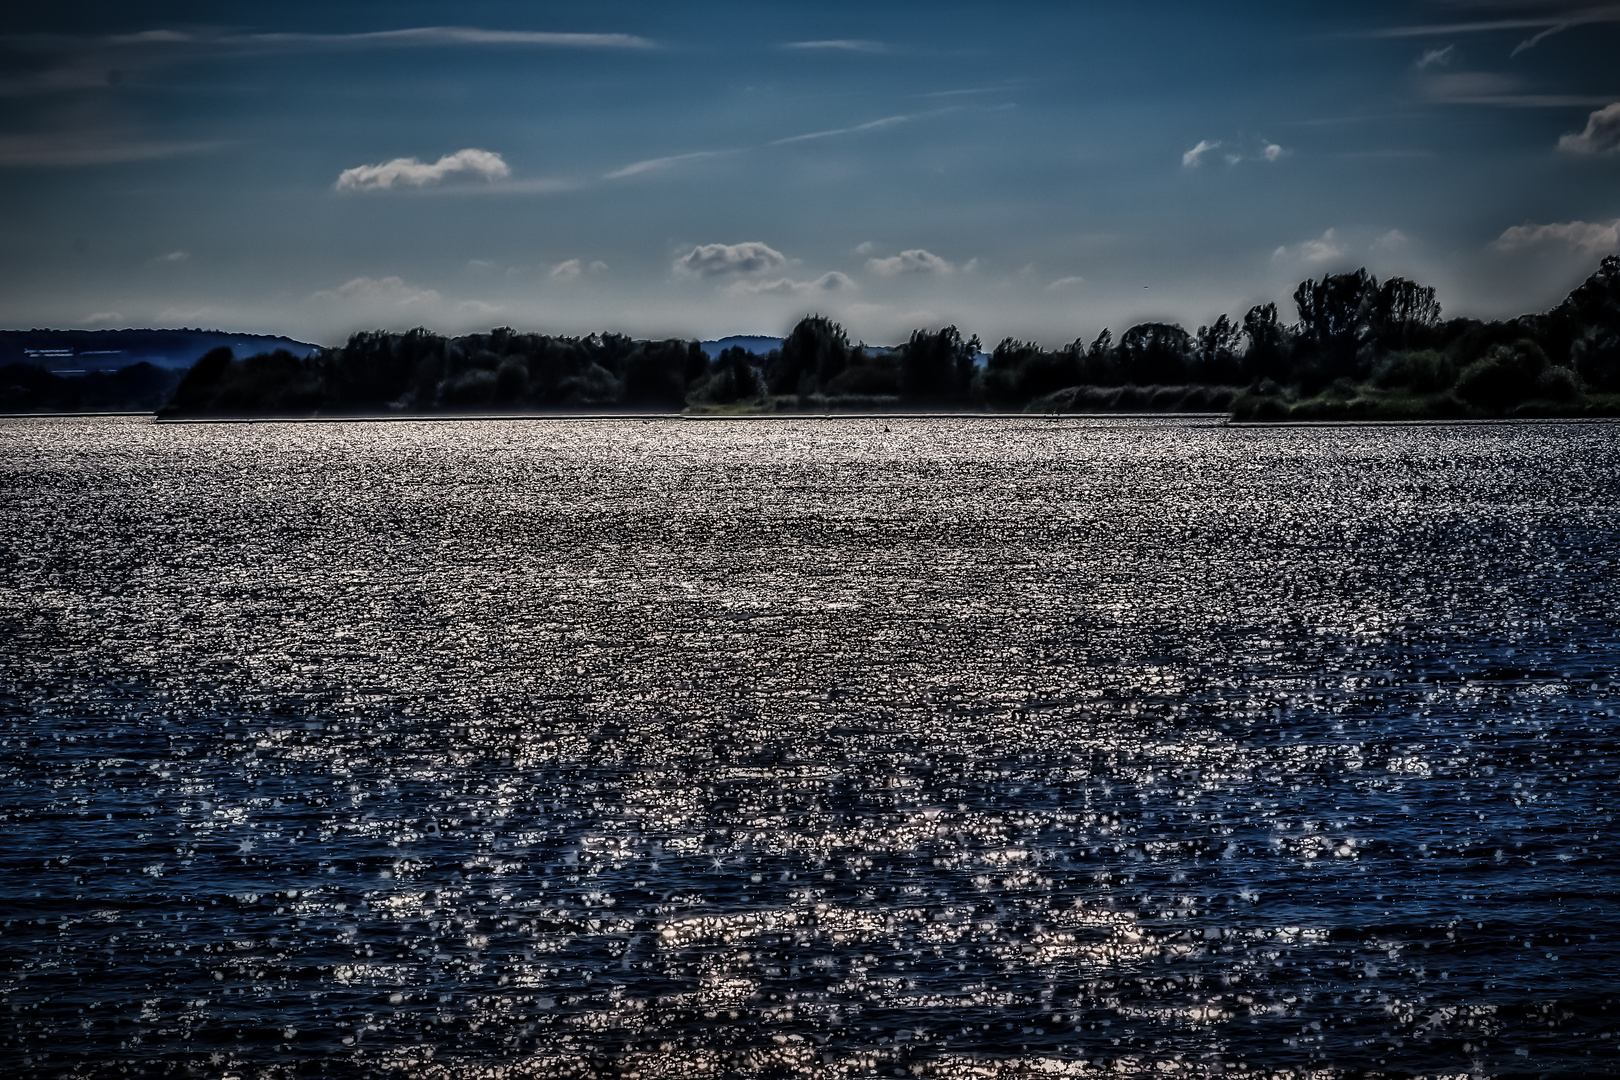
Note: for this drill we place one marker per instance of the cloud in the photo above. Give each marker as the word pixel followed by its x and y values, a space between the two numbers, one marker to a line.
pixel 827 283
pixel 184 316
pixel 915 261
pixel 856 45
pixel 1273 152
pixel 865 247
pixel 1064 283
pixel 1602 134
pixel 415 173
pixel 1588 236
pixel 409 37
pixel 718 260
pixel 1394 240
pixel 102 318
pixel 1324 248
pixel 1494 88
pixel 70 149
pixel 870 125
pixel 390 291
pixel 1192 158
pixel 1436 58
pixel 571 269
pixel 172 257
pixel 655 164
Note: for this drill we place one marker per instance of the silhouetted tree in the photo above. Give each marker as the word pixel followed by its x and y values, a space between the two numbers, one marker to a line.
pixel 1155 353
pixel 1216 354
pixel 1267 354
pixel 937 366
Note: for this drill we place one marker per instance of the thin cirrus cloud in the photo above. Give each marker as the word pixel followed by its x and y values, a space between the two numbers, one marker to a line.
pixel 1601 136
pixel 91 148
pixel 410 172
pixel 853 45
pixel 915 261
pixel 723 260
pixel 659 164
pixel 1590 237
pixel 1557 18
pixel 408 37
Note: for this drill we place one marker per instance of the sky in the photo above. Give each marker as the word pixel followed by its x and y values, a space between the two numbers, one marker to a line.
pixel 1032 169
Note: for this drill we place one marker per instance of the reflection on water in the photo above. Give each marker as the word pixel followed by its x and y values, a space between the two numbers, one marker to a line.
pixel 808 748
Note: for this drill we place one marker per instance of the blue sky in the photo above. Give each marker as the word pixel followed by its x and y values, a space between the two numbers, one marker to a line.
pixel 1037 169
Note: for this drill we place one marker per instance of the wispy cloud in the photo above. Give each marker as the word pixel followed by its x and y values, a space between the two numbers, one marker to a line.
pixel 1436 58
pixel 854 45
pixel 1323 249
pixel 660 163
pixel 1494 88
pixel 409 171
pixel 1601 136
pixel 870 125
pixel 572 269
pixel 388 291
pixel 408 37
pixel 1064 283
pixel 833 282
pixel 1195 157
pixel 720 260
pixel 172 257
pixel 1587 236
pixel 102 318
pixel 76 148
pixel 915 261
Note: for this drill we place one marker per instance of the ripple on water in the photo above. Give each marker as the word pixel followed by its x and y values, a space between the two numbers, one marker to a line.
pixel 981 748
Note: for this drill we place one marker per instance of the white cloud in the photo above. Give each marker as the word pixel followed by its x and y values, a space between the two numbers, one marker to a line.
pixel 172 257
pixel 1393 240
pixel 389 291
pixel 827 283
pixel 1587 236
pixel 102 318
pixel 1436 58
pixel 870 125
pixel 477 307
pixel 716 260
pixel 865 247
pixel 1192 158
pixel 1602 134
pixel 415 173
pixel 915 261
pixel 1273 152
pixel 1324 248
pixel 574 268
pixel 839 45
pixel 1063 283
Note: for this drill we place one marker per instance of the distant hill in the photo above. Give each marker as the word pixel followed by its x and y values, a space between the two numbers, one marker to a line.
pixel 754 343
pixel 107 350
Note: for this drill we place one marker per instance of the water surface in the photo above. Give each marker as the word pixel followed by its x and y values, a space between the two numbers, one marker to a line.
pixel 808 748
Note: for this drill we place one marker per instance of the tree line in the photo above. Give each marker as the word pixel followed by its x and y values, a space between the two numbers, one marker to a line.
pixel 1358 346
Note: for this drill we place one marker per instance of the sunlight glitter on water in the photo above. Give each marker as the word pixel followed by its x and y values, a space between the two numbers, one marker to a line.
pixel 966 748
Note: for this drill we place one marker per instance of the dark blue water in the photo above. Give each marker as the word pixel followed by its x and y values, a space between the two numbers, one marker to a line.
pixel 843 748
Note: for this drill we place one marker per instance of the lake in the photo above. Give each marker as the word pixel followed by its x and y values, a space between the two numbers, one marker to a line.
pixel 843 747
